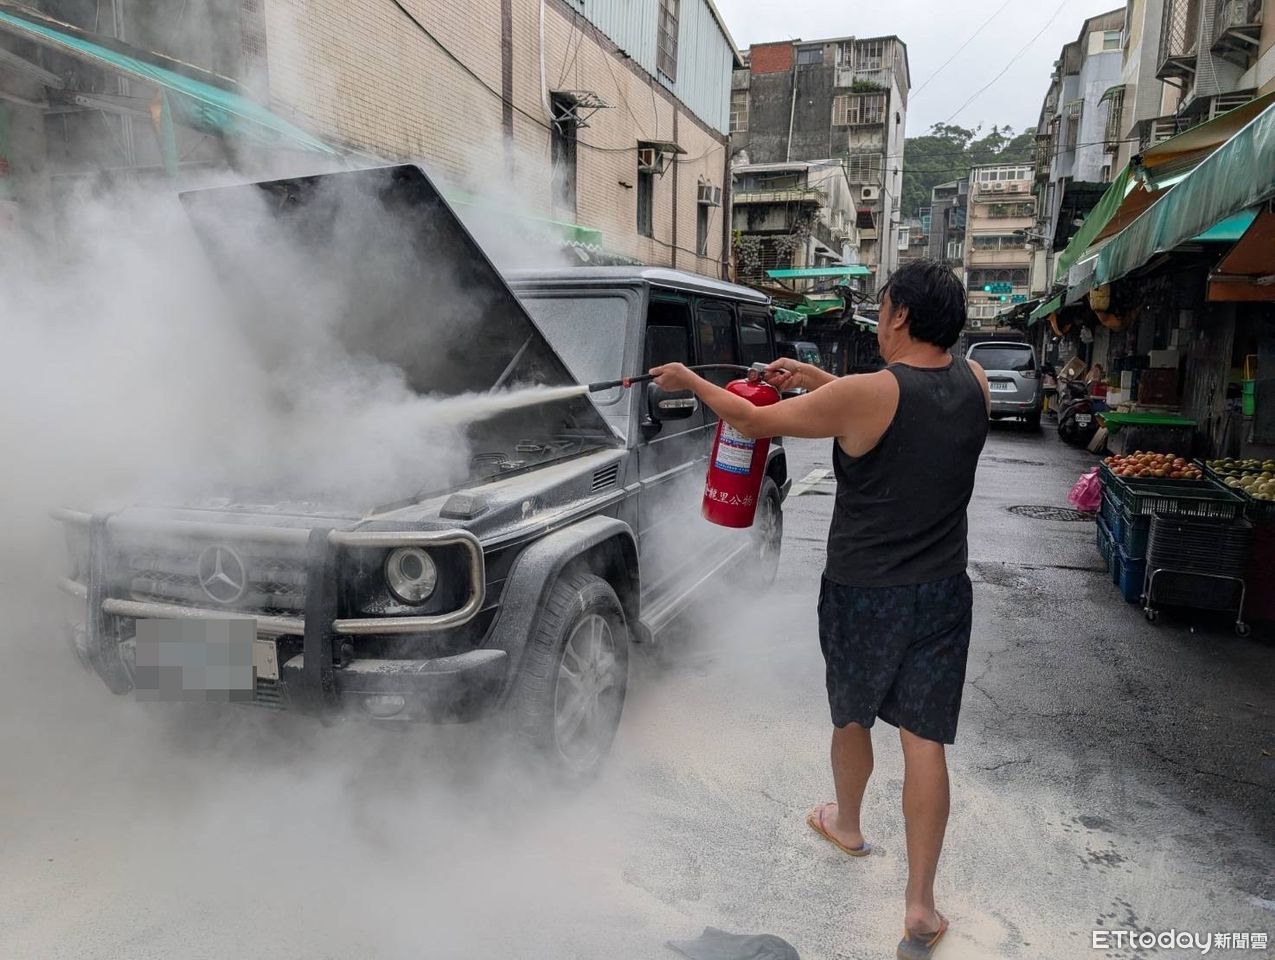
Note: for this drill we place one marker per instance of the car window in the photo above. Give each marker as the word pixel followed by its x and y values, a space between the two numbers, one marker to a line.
pixel 715 331
pixel 754 336
pixel 668 333
pixel 668 340
pixel 588 333
pixel 1004 357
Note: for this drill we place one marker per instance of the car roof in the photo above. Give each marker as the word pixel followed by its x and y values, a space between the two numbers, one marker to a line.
pixel 633 276
pixel 1000 343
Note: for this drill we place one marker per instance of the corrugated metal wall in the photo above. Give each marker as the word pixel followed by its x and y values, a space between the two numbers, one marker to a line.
pixel 704 58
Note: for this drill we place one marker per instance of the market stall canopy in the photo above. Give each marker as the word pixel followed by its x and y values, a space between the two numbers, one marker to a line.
pixel 193 103
pixel 1152 174
pixel 1044 310
pixel 820 273
pixel 1229 230
pixel 785 316
pixel 1248 271
pixel 1237 175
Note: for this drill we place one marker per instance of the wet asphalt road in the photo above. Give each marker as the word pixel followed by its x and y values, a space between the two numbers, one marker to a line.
pixel 1108 774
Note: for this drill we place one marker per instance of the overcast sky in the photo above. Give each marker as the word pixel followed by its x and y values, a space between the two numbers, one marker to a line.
pixel 933 30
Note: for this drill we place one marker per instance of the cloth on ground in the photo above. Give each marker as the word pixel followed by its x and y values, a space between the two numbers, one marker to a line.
pixel 714 944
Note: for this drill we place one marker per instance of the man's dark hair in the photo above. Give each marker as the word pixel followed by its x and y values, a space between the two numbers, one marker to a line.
pixel 935 300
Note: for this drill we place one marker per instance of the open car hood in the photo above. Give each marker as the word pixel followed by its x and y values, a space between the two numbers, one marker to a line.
pixel 409 283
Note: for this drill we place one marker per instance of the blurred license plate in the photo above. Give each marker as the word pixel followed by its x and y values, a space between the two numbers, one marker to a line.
pixel 1000 386
pixel 1083 419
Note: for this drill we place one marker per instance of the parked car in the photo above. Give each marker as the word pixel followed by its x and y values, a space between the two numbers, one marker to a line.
pixel 519 588
pixel 802 350
pixel 1013 379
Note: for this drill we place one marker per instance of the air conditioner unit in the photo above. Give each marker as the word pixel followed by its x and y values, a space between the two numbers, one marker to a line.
pixel 998 187
pixel 709 195
pixel 871 193
pixel 976 324
pixel 648 160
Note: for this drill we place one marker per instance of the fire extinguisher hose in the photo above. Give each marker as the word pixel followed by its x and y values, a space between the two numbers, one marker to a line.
pixel 701 368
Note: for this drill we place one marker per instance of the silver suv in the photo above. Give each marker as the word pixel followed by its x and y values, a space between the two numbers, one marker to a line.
pixel 1013 379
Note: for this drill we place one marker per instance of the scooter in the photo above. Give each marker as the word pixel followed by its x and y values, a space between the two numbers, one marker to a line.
pixel 1076 421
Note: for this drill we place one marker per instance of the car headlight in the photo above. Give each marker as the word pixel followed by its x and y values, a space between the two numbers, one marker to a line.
pixel 411 574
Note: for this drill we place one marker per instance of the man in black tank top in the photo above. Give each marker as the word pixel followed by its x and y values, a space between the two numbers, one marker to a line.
pixel 895 604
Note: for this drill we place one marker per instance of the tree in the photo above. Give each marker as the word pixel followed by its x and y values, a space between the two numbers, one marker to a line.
pixel 947 152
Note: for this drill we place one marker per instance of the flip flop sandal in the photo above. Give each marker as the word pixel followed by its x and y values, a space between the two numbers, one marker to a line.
pixel 815 820
pixel 916 947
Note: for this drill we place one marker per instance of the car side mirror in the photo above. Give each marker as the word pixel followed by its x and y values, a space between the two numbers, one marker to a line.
pixel 665 405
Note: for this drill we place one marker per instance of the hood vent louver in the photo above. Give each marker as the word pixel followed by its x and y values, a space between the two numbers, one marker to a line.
pixel 606 477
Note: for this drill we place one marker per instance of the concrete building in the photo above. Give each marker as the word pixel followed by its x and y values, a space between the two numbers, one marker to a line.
pixel 611 114
pixel 1002 211
pixel 788 215
pixel 839 99
pixel 949 215
pixel 1078 135
pixel 1187 61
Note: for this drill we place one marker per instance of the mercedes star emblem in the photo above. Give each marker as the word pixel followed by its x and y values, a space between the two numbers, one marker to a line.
pixel 221 574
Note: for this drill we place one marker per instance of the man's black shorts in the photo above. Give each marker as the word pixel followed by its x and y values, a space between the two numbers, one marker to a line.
pixel 897 653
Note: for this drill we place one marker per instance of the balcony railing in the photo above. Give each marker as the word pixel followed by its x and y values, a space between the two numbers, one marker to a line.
pixel 783 195
pixel 863 79
pixel 1238 31
pixel 1179 39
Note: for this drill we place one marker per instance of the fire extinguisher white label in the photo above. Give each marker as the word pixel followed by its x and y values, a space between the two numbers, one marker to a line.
pixel 734 451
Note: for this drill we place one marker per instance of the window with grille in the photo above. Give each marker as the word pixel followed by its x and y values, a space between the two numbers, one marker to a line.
pixel 666 39
pixel 851 109
pixel 1001 211
pixel 1115 116
pixel 646 203
pixel 562 151
pixel 869 54
pixel 738 111
pixel 865 168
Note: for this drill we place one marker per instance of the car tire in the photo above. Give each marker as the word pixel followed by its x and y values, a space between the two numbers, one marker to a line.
pixel 569 724
pixel 767 535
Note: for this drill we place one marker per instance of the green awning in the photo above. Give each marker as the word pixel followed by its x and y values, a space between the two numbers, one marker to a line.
pixel 1045 309
pixel 193 103
pixel 1229 230
pixel 818 273
pixel 1098 218
pixel 567 232
pixel 783 315
pixel 1117 90
pixel 1160 167
pixel 1238 175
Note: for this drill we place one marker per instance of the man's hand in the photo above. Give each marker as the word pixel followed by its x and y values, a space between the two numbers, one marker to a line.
pixel 674 376
pixel 785 374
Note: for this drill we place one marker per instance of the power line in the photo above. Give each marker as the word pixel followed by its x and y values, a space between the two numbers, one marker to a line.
pixel 971 39
pixel 1014 59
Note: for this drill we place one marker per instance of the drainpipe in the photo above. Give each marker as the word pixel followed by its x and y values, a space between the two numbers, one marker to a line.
pixel 792 108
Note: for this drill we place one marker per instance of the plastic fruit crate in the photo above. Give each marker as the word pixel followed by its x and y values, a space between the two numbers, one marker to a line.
pixel 1109 509
pixel 1194 499
pixel 1104 543
pixel 1129 576
pixel 1200 546
pixel 1175 588
pixel 1133 534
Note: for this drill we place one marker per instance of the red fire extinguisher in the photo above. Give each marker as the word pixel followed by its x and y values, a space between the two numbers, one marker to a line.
pixel 737 464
